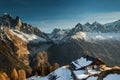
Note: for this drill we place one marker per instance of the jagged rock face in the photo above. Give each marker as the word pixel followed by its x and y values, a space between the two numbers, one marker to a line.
pixel 18 42
pixel 55 31
pixel 19 46
pixel 77 28
pixel 29 29
pixel 18 23
pixel 8 56
pixel 8 21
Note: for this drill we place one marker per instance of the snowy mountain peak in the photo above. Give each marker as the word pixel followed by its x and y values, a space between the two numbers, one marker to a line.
pixel 96 23
pixel 56 30
pixel 23 30
pixel 91 32
pixel 7 15
pixel 78 27
pixel 87 24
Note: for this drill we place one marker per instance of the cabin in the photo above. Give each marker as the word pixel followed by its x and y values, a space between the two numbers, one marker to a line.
pixel 86 61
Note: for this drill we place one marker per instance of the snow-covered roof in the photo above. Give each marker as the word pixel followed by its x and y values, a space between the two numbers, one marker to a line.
pixel 82 62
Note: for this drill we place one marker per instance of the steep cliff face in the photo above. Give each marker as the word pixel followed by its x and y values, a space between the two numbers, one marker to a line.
pixel 19 46
pixel 18 23
pixel 8 56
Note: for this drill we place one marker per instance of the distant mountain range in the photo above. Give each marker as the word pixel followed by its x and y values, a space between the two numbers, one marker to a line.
pixel 99 40
pixel 20 44
pixel 95 31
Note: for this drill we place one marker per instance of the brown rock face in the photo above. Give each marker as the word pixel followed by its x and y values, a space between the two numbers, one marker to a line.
pixel 105 73
pixel 12 54
pixel 20 46
pixel 18 23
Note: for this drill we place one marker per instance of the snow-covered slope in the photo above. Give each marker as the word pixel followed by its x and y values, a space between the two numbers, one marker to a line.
pixel 28 37
pixel 112 77
pixel 91 37
pixel 59 74
pixel 58 34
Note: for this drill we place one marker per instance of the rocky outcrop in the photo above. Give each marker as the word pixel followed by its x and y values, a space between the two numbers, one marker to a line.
pixel 11 55
pixel 76 29
pixel 105 73
pixel 18 45
pixel 18 23
pixel 9 21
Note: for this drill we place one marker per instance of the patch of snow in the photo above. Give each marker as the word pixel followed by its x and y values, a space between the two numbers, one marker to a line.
pixel 92 71
pixel 81 74
pixel 37 78
pixel 91 37
pixel 80 35
pixel 61 74
pixel 28 37
pixel 112 77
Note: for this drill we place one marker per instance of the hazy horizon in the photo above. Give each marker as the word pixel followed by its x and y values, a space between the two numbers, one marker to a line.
pixel 63 14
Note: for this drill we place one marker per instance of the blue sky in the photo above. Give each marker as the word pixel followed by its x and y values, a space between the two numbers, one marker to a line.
pixel 50 14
